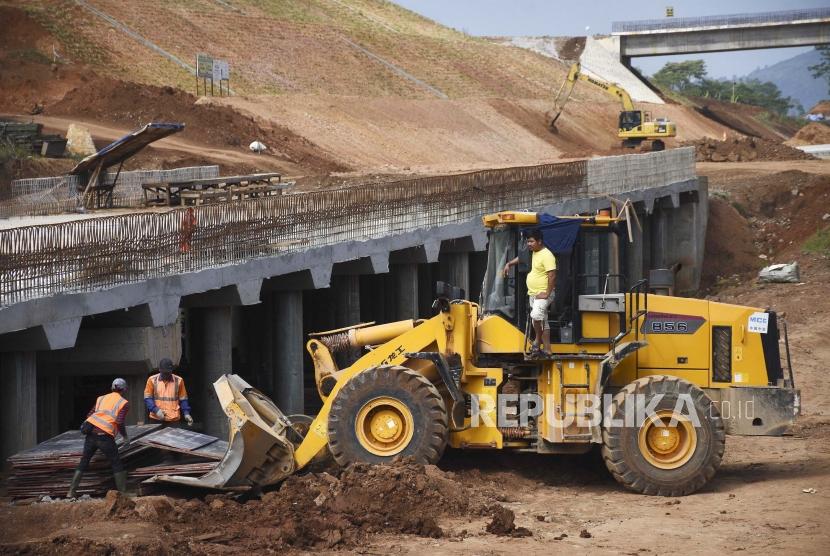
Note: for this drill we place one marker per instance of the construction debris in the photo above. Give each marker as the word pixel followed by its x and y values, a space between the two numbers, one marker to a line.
pixel 30 138
pixel 782 273
pixel 46 470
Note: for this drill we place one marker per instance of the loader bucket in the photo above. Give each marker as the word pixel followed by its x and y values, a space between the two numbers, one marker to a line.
pixel 259 451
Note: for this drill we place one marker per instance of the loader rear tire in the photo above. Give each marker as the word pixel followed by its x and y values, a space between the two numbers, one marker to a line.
pixel 387 412
pixel 664 460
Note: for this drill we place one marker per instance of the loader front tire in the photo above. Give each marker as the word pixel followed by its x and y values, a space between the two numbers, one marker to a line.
pixel 387 412
pixel 667 454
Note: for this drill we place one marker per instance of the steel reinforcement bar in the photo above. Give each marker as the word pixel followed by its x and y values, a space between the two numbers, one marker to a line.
pixel 97 253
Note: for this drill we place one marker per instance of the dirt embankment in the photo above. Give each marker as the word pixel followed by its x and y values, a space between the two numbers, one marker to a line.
pixel 133 104
pixel 744 149
pixel 765 220
pixel 743 118
pixel 814 133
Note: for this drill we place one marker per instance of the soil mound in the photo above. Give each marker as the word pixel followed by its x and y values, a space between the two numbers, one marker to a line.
pixel 135 104
pixel 744 149
pixel 822 107
pixel 814 133
pixel 320 510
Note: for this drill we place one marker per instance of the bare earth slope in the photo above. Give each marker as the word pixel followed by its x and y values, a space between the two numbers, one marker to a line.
pixel 329 86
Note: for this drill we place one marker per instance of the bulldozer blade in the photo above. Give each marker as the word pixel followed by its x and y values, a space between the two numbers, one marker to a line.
pixel 259 450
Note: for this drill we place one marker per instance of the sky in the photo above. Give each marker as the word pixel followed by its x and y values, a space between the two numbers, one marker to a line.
pixel 559 18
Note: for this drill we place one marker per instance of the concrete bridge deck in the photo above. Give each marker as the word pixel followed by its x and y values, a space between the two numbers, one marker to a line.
pixel 690 35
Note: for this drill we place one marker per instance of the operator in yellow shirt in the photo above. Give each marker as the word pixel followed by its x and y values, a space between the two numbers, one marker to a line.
pixel 541 281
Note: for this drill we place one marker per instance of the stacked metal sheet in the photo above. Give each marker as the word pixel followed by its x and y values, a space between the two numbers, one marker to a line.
pixel 47 469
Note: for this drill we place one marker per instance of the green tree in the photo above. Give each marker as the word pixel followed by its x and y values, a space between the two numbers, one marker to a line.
pixel 689 78
pixel 680 76
pixel 822 69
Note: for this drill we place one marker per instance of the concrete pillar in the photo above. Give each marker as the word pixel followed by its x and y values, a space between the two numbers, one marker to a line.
pixel 458 270
pixel 18 402
pixel 48 404
pixel 426 288
pixel 686 242
pixel 635 253
pixel 288 352
pixel 405 277
pixel 659 236
pixel 216 358
pixel 346 290
pixel 135 394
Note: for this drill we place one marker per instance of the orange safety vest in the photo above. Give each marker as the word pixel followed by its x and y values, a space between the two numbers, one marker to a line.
pixel 106 412
pixel 166 397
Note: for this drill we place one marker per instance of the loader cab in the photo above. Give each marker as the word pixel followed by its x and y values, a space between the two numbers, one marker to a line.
pixel 594 265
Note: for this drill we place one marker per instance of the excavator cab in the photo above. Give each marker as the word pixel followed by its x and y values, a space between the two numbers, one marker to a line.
pixel 630 119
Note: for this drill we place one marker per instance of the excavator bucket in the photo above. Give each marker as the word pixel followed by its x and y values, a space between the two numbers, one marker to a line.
pixel 260 450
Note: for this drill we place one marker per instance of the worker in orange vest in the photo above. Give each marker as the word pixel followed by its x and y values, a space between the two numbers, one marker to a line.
pixel 166 397
pixel 103 422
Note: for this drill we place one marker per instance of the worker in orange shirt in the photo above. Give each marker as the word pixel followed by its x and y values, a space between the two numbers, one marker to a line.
pixel 104 421
pixel 166 397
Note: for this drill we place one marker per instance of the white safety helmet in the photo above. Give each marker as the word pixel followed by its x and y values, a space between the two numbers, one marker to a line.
pixel 119 385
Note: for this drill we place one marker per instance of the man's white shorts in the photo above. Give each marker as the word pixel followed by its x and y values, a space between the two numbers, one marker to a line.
pixel 539 309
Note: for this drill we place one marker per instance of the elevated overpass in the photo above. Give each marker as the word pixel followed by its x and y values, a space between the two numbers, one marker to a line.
pixel 692 35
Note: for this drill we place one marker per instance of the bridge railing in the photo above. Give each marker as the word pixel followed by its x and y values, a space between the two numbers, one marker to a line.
pixel 99 253
pixel 715 21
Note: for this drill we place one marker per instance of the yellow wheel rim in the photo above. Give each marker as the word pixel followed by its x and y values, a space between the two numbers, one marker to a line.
pixel 384 426
pixel 664 445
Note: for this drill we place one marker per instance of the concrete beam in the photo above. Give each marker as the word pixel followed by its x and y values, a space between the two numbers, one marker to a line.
pixel 376 263
pixel 421 254
pixel 315 278
pixel 163 311
pixel 665 43
pixel 119 351
pixel 246 292
pixel 51 335
pixel 465 244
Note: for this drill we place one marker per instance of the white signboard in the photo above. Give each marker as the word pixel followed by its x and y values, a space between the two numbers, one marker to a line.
pixel 758 322
pixel 221 70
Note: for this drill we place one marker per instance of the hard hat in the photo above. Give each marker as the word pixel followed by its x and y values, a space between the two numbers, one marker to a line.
pixel 166 365
pixel 119 385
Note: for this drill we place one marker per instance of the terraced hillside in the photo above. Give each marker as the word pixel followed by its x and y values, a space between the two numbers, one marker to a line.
pixel 354 47
pixel 328 85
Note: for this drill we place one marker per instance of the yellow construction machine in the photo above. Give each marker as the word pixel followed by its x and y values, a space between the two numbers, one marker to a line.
pixel 634 126
pixel 656 381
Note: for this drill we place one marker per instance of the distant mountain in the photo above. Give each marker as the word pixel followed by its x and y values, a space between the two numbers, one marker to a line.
pixel 794 79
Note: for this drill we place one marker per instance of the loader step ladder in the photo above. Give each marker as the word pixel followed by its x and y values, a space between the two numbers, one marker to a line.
pixel 574 427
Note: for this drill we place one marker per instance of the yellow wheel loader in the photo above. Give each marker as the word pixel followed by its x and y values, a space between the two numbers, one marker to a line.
pixel 656 381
